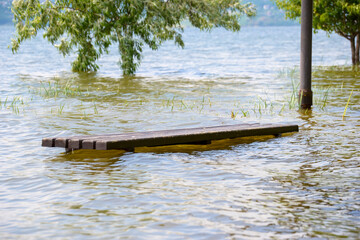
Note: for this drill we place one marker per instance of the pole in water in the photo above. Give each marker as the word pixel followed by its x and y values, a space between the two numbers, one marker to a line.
pixel 305 94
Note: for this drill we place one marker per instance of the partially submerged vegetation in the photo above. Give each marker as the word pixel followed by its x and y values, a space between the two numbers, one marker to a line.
pixel 70 98
pixel 89 28
pixel 15 103
pixel 54 89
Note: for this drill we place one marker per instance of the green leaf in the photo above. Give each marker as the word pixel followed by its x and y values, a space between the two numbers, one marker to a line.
pixel 90 27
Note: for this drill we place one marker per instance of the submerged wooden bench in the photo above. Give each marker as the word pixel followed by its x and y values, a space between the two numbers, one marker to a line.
pixel 204 135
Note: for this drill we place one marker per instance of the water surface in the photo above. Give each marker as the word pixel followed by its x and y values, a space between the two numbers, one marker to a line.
pixel 302 185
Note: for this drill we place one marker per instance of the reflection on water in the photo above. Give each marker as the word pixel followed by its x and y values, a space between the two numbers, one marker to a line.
pixel 302 185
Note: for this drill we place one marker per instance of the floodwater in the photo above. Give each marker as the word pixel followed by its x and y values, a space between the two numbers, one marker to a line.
pixel 301 185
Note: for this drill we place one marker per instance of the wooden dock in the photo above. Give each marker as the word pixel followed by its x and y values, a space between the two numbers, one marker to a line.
pixel 204 135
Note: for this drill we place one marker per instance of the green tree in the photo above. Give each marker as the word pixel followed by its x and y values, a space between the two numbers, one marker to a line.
pixel 339 16
pixel 89 27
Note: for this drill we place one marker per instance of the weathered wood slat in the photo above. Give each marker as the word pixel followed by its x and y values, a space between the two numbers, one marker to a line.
pixel 167 137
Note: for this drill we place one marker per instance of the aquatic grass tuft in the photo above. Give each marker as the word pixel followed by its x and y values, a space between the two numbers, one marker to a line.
pixel 245 113
pixel 61 108
pixel 234 114
pixel 15 104
pixel 55 89
pixel 175 103
pixel 282 109
pixel 84 116
pixel 347 104
pixel 325 98
pixel 95 108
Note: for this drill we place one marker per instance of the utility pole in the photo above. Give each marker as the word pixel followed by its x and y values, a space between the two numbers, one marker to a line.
pixel 305 93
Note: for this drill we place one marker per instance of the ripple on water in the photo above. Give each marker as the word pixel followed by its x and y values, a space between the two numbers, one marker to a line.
pixel 302 185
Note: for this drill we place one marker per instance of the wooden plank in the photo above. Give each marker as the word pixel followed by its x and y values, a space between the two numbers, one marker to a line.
pixel 128 139
pixel 75 142
pixel 188 135
pixel 167 137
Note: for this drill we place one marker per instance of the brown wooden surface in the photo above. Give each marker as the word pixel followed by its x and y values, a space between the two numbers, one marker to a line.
pixel 167 137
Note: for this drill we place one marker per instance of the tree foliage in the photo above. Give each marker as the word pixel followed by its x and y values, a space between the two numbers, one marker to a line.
pixel 89 27
pixel 339 16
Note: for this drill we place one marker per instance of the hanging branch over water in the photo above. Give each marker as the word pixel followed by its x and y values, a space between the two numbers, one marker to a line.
pixel 91 27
